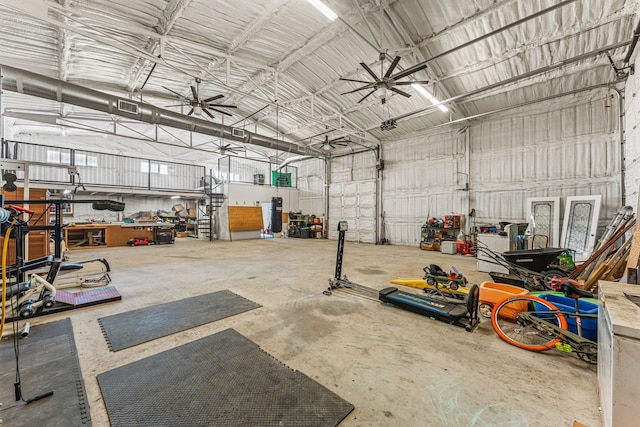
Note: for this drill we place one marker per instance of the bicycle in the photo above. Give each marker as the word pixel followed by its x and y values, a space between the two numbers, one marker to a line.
pixel 535 324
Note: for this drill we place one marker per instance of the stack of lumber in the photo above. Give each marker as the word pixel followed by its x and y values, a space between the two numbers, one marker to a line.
pixel 610 259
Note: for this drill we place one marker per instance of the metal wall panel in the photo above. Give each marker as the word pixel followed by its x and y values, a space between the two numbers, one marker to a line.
pixel 352 196
pixel 424 176
pixel 556 150
pixel 311 181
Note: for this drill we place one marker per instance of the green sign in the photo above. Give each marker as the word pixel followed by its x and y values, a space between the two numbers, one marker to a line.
pixel 280 179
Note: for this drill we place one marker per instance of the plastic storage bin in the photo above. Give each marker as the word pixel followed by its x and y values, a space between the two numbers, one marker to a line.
pixel 492 293
pixel 566 304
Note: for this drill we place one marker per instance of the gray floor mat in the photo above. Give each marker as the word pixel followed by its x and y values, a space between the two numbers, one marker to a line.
pixel 137 326
pixel 221 380
pixel 48 362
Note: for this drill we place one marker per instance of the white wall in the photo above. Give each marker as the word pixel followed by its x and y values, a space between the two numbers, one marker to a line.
pixel 238 194
pixel 311 186
pixel 569 147
pixel 563 148
pixel 423 178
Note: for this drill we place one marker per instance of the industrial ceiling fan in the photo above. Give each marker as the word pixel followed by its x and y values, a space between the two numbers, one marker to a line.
pixel 386 81
pixel 228 148
pixel 332 143
pixel 198 105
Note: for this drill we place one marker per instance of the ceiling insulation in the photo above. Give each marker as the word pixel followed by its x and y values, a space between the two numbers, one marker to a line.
pixel 281 61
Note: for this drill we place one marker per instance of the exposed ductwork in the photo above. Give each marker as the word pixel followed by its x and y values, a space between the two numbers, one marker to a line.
pixel 28 83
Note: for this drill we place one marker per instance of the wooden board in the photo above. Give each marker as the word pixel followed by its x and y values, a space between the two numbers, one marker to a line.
pixel 245 218
pixel 634 254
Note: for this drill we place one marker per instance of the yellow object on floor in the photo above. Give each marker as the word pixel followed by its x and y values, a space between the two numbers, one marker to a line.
pixel 416 282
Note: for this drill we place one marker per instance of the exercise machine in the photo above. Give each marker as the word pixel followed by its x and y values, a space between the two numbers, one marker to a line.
pixel 458 313
pixel 463 313
pixel 96 275
pixel 34 286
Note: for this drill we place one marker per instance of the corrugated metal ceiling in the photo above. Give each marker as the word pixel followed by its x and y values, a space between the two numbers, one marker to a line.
pixel 259 52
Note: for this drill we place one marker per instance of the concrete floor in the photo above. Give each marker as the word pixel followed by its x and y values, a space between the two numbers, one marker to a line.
pixel 396 367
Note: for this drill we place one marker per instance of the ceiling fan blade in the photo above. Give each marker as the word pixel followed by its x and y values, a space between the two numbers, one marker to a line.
pixel 353 80
pixel 174 92
pixel 213 98
pixel 392 66
pixel 222 105
pixel 208 113
pixel 366 96
pixel 338 139
pixel 408 71
pixel 370 71
pixel 194 92
pixel 419 82
pixel 405 94
pixel 369 86
pixel 220 111
pixel 190 112
pixel 332 146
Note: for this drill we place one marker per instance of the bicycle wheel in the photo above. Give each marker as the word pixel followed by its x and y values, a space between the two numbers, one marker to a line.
pixel 526 331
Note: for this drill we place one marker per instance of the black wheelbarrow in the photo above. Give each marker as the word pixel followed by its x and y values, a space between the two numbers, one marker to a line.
pixel 532 268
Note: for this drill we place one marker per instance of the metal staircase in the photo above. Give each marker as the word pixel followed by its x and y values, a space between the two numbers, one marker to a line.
pixel 208 215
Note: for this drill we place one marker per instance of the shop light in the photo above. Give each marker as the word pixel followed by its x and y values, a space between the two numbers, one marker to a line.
pixel 324 9
pixel 422 91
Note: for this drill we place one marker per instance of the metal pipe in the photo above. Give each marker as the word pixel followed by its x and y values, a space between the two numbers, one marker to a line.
pixel 634 42
pixel 327 183
pixel 490 34
pixel 523 104
pixel 623 167
pixel 515 79
pixel 28 83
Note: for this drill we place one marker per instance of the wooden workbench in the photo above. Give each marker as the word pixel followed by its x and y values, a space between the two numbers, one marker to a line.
pixel 84 236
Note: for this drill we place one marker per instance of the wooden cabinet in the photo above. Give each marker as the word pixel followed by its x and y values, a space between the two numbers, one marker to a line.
pixel 38 240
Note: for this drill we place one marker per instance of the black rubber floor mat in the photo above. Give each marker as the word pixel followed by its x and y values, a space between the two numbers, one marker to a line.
pixel 135 327
pixel 48 362
pixel 223 380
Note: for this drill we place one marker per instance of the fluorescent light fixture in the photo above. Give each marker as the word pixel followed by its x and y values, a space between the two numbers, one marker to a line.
pixel 324 9
pixel 175 197
pixel 422 91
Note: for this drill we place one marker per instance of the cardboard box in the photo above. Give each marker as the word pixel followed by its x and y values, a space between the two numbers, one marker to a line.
pixel 430 246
